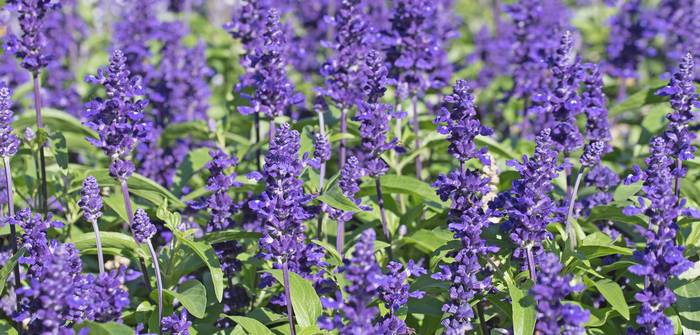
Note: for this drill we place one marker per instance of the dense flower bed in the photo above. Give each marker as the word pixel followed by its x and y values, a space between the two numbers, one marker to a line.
pixel 349 167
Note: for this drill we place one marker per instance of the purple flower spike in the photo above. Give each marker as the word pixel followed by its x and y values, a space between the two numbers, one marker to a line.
pixel 395 292
pixel 553 316
pixel 630 38
pixel 266 72
pixel 176 324
pixel 662 259
pixel 528 207
pixel 465 189
pixel 364 280
pixel 90 199
pixel 118 118
pixel 351 40
pixel 685 102
pixel 282 207
pixel 8 141
pixel 595 107
pixel 374 117
pixel 31 47
pixel 142 228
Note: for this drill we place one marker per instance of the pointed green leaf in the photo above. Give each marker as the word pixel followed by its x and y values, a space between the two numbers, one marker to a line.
pixel 251 326
pixel 305 301
pixel 7 268
pixel 613 294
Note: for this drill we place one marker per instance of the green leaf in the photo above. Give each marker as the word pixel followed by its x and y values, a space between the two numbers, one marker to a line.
pixel 112 244
pixel 55 120
pixel 59 149
pixel 635 101
pixel 428 241
pixel 393 184
pixel 495 147
pixel 330 250
pixel 594 251
pixel 138 185
pixel 687 295
pixel 7 268
pixel 524 313
pixel 193 162
pixel 193 295
pixel 335 198
pixel 203 250
pixel 624 192
pixel 613 294
pixel 305 301
pixel 251 326
pixel 229 235
pixel 109 328
pixel 613 213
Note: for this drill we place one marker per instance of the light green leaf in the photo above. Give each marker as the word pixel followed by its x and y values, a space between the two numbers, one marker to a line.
pixel 524 313
pixel 113 243
pixel 229 235
pixel 330 250
pixel 203 250
pixel 109 328
pixel 251 326
pixel 335 198
pixel 495 147
pixel 639 99
pixel 138 185
pixel 7 268
pixel 428 241
pixel 613 294
pixel 624 192
pixel 193 295
pixel 687 295
pixel 305 301
pixel 594 251
pixel 393 184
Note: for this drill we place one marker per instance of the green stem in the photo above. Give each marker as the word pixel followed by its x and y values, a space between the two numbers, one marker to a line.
pixel 288 297
pixel 159 281
pixel 570 231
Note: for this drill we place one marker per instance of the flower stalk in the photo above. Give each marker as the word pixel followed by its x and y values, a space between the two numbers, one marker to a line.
pixel 11 214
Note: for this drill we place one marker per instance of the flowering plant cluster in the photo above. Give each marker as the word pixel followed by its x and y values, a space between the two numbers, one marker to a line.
pixel 322 167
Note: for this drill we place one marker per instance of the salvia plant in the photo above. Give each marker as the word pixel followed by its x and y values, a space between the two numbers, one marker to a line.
pixel 272 167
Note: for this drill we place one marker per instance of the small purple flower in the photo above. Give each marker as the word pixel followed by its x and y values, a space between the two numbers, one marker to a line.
pixel 553 316
pixel 142 228
pixel 322 148
pixel 349 181
pixel 90 200
pixel 8 141
pixel 176 324
pixel 592 153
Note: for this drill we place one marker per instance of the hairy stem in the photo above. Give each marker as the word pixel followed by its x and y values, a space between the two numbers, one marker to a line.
pixel 43 198
pixel 321 178
pixel 159 281
pixel 531 265
pixel 570 231
pixel 416 131
pixel 343 130
pixel 677 179
pixel 272 130
pixel 98 243
pixel 288 298
pixel 340 237
pixel 11 213
pixel 382 212
pixel 127 225
pixel 257 141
